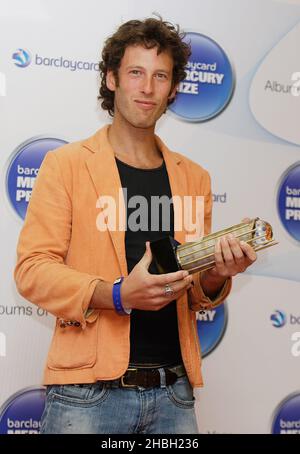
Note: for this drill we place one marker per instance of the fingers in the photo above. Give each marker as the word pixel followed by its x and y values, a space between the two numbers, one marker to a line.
pixel 178 287
pixel 183 284
pixel 147 257
pixel 218 254
pixel 167 278
pixel 178 281
pixel 226 250
pixel 248 251
pixel 245 220
pixel 233 256
pixel 236 249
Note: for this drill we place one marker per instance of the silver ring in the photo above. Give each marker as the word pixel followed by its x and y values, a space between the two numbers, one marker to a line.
pixel 168 290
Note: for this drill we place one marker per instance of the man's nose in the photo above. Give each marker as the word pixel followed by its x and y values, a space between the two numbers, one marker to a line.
pixel 147 86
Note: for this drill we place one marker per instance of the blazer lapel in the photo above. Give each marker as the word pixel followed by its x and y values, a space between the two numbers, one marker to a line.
pixel 105 176
pixel 178 188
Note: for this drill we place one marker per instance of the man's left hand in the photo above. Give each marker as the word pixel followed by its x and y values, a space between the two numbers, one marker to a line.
pixel 232 256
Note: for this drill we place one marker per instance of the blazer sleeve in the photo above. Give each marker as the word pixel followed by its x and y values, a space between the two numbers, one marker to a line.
pixel 40 273
pixel 196 296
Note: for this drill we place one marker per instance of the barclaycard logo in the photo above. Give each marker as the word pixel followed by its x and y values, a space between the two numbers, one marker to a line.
pixel 278 319
pixel 286 417
pixel 23 169
pixel 209 83
pixel 288 201
pixel 21 58
pixel 22 412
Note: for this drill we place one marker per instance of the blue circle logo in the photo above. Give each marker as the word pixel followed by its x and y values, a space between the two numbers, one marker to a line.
pixel 209 82
pixel 278 319
pixel 288 201
pixel 23 170
pixel 22 412
pixel 211 325
pixel 21 58
pixel 287 416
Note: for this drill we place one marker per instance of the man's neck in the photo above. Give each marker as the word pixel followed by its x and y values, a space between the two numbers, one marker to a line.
pixel 135 146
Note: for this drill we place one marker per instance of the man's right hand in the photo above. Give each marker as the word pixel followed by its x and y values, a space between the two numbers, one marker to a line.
pixel 144 291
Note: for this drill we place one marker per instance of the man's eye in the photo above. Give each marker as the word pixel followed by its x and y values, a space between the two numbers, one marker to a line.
pixel 161 76
pixel 136 72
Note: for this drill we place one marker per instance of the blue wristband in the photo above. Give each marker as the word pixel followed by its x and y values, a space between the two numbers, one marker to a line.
pixel 116 294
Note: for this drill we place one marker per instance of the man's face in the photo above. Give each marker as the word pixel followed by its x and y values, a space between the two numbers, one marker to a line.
pixel 144 86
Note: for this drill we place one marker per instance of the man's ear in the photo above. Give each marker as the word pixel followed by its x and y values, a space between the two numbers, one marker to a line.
pixel 173 92
pixel 110 80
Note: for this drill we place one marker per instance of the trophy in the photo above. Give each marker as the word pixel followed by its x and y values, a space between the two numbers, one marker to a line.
pixel 195 256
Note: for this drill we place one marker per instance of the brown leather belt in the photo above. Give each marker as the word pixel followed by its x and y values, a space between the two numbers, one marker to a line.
pixel 149 378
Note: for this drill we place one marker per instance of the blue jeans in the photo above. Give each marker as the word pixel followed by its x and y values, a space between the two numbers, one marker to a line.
pixel 104 408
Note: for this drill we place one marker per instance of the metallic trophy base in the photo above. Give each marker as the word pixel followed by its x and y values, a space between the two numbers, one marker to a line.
pixel 170 255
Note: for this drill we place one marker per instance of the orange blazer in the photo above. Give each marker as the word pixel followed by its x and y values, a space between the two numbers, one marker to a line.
pixel 61 256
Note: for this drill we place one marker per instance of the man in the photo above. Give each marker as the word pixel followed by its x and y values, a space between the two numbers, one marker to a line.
pixel 125 353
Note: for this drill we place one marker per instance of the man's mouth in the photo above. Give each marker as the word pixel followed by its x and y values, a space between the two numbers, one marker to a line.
pixel 144 104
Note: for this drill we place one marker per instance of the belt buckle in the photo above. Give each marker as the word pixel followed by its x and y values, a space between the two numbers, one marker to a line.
pixel 125 385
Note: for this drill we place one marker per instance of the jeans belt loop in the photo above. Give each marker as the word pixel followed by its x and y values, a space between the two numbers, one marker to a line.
pixel 162 374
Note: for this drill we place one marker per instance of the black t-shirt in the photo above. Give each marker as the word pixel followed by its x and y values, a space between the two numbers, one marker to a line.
pixel 154 337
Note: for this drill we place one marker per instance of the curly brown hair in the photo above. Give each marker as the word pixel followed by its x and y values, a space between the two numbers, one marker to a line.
pixel 149 33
